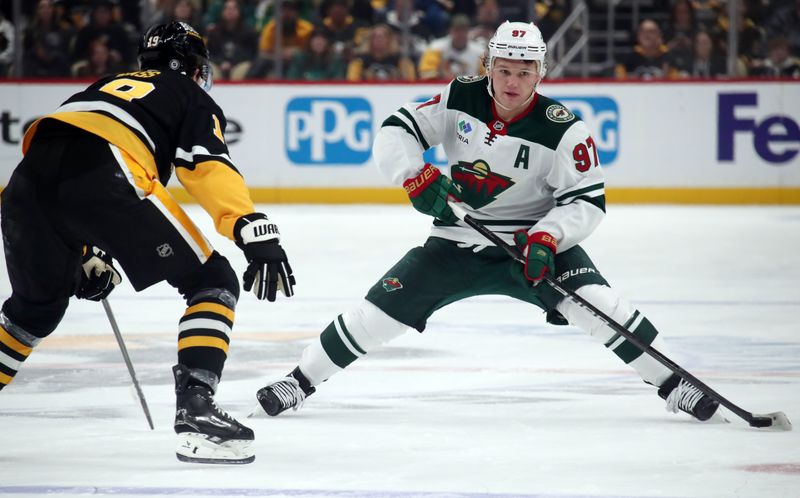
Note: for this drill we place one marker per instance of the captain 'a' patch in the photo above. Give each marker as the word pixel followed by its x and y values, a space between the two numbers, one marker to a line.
pixel 478 184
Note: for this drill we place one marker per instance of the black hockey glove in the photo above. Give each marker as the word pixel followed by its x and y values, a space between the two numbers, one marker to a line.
pixel 268 269
pixel 98 275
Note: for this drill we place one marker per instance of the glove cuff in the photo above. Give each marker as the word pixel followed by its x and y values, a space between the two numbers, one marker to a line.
pixel 414 186
pixel 543 239
pixel 255 227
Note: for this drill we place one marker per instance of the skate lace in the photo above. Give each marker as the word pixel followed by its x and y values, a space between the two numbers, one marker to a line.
pixel 289 393
pixel 684 397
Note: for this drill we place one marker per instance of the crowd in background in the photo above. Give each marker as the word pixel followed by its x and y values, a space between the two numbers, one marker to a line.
pixel 381 40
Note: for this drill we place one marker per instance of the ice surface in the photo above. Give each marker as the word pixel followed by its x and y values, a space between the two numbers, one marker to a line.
pixel 490 401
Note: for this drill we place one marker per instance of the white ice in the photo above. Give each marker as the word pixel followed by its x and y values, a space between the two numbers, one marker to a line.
pixel 490 401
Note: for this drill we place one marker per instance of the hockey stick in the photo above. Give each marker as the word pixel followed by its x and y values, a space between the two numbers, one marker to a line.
pixel 776 420
pixel 128 362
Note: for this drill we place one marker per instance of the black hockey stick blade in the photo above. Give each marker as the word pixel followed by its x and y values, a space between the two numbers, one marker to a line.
pixel 776 421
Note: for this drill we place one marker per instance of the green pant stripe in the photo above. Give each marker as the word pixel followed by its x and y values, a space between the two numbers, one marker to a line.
pixel 646 333
pixel 626 326
pixel 336 350
pixel 349 337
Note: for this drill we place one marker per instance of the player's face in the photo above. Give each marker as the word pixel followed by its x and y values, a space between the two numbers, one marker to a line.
pixel 513 81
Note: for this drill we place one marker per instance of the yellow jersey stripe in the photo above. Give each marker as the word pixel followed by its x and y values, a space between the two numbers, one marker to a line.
pixel 5 379
pixel 202 341
pixel 12 342
pixel 210 307
pixel 181 217
pixel 106 128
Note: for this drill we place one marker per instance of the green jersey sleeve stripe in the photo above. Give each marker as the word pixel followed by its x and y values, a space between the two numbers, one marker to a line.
pixel 422 140
pixel 599 201
pixel 580 191
pixel 395 121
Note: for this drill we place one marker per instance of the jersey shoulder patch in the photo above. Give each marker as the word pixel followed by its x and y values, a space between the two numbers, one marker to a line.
pixel 558 113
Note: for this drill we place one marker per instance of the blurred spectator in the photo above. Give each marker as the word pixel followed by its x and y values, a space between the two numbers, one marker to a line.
pixel 153 12
pixel 750 37
pixel 6 45
pixel 341 29
pixel 706 10
pixel 466 7
pixel 786 22
pixel 232 43
pixel 779 61
pixel 102 26
pixel 549 16
pixel 487 20
pixel 186 11
pixel 706 61
pixel 679 34
pixel 320 62
pixel 295 33
pixel 454 55
pixel 44 42
pixel 265 10
pixel 214 12
pixel 362 11
pixel 382 61
pixel 649 57
pixel 404 16
pixel 101 61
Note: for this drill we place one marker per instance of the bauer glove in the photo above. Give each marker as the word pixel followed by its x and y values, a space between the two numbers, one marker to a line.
pixel 268 269
pixel 429 192
pixel 98 275
pixel 539 250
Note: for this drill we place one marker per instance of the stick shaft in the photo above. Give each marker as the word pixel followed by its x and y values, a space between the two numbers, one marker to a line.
pixel 616 327
pixel 128 362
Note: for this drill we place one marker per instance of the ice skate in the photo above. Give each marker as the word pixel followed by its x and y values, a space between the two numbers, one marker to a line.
pixel 289 392
pixel 206 433
pixel 682 396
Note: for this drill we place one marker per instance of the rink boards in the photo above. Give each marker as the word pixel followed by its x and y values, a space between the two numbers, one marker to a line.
pixel 694 142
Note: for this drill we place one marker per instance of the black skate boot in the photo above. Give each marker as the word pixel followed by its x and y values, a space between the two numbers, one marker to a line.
pixel 206 434
pixel 289 392
pixel 681 395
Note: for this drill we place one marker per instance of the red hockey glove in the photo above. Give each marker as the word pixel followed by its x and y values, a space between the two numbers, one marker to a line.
pixel 429 192
pixel 539 250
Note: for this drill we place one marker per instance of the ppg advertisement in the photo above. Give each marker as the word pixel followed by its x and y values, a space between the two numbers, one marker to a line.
pixel 655 135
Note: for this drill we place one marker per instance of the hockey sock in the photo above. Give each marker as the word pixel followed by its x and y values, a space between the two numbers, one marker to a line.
pixel 617 308
pixel 15 346
pixel 204 331
pixel 349 337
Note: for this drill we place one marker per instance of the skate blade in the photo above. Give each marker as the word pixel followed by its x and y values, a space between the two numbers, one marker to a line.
pixel 197 448
pixel 717 418
pixel 258 412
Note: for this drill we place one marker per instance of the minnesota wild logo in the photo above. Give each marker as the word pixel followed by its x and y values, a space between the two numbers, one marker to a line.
pixel 479 186
pixel 391 284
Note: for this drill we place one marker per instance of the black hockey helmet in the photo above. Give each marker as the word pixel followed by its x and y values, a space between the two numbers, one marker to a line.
pixel 176 46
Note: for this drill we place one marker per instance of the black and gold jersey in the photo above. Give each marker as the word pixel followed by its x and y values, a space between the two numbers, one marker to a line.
pixel 163 120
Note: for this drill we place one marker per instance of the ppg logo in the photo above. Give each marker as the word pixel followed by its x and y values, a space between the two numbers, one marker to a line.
pixel 601 115
pixel 328 130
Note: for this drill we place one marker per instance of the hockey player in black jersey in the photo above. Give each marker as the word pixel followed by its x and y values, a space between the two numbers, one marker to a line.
pixel 91 187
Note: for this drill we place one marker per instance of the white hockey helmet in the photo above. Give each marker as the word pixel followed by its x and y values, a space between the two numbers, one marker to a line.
pixel 518 41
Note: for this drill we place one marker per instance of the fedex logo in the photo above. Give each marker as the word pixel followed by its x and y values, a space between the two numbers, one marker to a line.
pixel 328 130
pixel 601 115
pixel 776 139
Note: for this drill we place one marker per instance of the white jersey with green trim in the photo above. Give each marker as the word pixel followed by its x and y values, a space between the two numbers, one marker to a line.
pixel 538 172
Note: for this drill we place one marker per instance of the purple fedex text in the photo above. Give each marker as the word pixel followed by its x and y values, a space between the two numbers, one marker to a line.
pixel 776 138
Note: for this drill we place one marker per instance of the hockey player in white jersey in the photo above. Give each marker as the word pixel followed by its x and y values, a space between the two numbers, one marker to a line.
pixel 527 168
